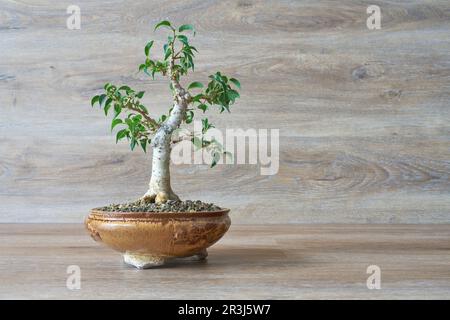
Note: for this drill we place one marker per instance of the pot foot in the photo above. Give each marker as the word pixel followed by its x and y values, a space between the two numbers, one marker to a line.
pixel 143 261
pixel 200 256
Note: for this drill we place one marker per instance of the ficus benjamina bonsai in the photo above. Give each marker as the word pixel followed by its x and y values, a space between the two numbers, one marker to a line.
pixel 141 128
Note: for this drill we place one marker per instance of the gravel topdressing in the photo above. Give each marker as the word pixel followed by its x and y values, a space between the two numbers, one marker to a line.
pixel 169 206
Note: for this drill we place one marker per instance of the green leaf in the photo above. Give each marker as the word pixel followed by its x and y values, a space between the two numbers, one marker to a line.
pixel 218 77
pixel 146 72
pixel 117 110
pixel 133 143
pixel 163 23
pixel 147 48
pixel 137 118
pixel 115 122
pixel 189 116
pixel 203 107
pixel 216 158
pixel 143 143
pixel 185 27
pixel 121 134
pixel 143 108
pixel 125 88
pixel 107 105
pixel 101 99
pixel 183 39
pixel 192 63
pixel 236 82
pixel 130 123
pixel 187 51
pixel 107 85
pixel 195 84
pixel 94 100
pixel 206 125
pixel 162 118
pixel 168 53
pixel 197 142
pixel 232 94
pixel 197 97
pixel 225 108
pixel 142 67
pixel 140 94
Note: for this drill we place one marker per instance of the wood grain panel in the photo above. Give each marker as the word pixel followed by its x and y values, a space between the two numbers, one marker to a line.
pixel 363 115
pixel 250 262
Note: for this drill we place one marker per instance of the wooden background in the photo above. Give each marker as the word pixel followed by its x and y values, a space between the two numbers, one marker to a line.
pixel 363 114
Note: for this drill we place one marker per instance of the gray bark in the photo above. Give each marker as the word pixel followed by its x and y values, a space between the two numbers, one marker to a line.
pixel 159 186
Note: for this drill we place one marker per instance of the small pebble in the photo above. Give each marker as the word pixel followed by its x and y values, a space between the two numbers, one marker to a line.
pixel 169 206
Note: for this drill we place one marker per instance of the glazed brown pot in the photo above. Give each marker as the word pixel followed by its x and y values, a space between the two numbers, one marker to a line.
pixel 149 239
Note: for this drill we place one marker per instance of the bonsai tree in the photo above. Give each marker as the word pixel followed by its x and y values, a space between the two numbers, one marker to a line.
pixel 142 129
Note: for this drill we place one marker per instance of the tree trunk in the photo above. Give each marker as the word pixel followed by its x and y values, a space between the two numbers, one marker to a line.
pixel 159 187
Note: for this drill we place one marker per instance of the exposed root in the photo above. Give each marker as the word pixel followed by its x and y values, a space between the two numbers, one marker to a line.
pixel 160 197
pixel 148 198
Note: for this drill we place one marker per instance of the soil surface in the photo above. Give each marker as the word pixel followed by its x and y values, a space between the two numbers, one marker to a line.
pixel 169 206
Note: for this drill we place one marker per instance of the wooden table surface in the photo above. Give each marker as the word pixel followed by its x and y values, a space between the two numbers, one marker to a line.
pixel 251 262
pixel 363 114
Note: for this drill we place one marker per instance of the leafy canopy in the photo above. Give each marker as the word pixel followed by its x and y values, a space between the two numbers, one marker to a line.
pixel 133 118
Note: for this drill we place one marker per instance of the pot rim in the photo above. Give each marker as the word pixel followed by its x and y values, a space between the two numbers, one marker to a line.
pixel 98 214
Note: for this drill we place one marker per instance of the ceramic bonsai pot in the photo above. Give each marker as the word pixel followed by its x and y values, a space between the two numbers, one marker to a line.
pixel 149 239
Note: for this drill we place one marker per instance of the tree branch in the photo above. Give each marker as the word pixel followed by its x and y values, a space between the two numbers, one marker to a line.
pixel 146 117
